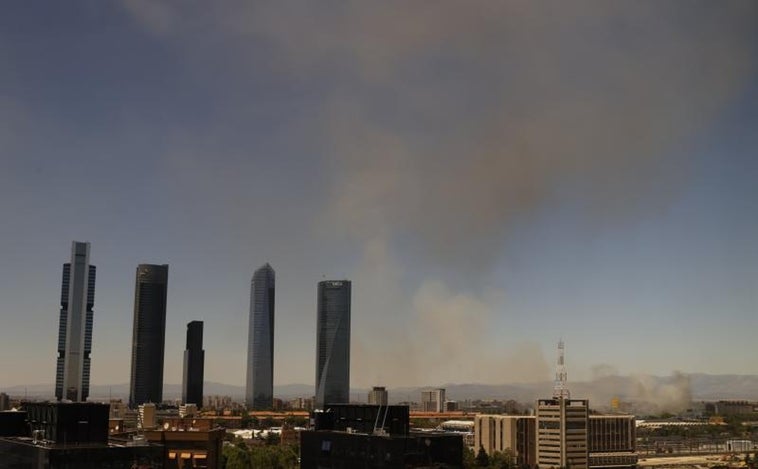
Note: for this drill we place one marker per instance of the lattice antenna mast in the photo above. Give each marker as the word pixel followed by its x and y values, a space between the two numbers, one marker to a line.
pixel 560 390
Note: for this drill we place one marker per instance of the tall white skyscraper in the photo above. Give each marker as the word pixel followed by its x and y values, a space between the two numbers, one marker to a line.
pixel 75 326
pixel 259 390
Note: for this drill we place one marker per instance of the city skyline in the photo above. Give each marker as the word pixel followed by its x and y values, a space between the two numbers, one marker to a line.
pixel 491 179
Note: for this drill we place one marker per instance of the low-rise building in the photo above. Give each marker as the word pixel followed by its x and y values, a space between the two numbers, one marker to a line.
pixel 375 436
pixel 507 432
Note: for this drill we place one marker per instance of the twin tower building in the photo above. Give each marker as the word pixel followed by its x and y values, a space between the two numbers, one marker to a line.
pixel 148 339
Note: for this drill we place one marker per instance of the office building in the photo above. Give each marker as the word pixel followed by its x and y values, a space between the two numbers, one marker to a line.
pixel 433 400
pixel 513 432
pixel 333 343
pixel 562 433
pixel 69 435
pixel 75 326
pixel 183 448
pixel 194 359
pixel 378 396
pixel 149 334
pixel 187 410
pixel 5 402
pixel 562 425
pixel 259 389
pixel 612 441
pixel 375 436
pixel 148 416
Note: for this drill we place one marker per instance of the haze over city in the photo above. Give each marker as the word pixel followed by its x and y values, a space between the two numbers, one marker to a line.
pixel 490 180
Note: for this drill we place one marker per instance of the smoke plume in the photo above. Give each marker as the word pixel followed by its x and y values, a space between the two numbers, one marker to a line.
pixel 447 124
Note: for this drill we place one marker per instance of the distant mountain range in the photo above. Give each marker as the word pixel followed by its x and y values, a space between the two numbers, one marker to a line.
pixel 661 392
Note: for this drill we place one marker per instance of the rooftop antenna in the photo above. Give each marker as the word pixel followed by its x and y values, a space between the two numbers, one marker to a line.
pixel 560 391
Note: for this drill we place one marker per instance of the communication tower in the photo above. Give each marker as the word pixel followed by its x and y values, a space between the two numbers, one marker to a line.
pixel 560 390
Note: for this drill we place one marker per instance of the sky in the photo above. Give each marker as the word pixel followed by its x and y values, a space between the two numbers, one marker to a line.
pixel 492 177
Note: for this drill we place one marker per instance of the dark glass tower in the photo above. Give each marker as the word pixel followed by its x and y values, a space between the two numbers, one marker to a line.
pixel 259 389
pixel 75 326
pixel 194 358
pixel 333 343
pixel 149 334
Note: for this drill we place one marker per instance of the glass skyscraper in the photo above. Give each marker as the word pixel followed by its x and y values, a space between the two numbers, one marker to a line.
pixel 194 363
pixel 333 343
pixel 259 390
pixel 75 326
pixel 149 334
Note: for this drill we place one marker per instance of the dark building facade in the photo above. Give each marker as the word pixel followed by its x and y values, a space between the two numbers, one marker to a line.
pixel 148 338
pixel 331 449
pixel 612 441
pixel 72 371
pixel 13 423
pixel 22 453
pixel 69 423
pixel 259 389
pixel 333 343
pixel 68 435
pixel 361 418
pixel 348 436
pixel 194 362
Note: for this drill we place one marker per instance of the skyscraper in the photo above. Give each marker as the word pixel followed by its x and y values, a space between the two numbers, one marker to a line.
pixel 75 326
pixel 194 359
pixel 259 390
pixel 149 334
pixel 333 343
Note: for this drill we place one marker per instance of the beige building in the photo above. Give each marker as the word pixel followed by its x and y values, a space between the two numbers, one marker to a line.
pixel 378 396
pixel 433 400
pixel 501 432
pixel 147 416
pixel 562 428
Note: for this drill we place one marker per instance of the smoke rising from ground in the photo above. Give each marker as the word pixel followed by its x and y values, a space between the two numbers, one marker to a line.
pixel 446 124
pixel 646 394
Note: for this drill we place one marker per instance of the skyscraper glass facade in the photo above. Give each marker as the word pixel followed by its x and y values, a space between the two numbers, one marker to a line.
pixel 333 343
pixel 194 363
pixel 72 372
pixel 259 390
pixel 149 334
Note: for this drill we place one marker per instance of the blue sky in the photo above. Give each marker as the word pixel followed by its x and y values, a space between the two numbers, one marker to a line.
pixel 492 177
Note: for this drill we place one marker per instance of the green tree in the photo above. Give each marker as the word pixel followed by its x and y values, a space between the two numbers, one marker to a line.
pixel 272 439
pixel 235 457
pixel 502 460
pixel 482 460
pixel 273 457
pixel 469 458
pixel 268 422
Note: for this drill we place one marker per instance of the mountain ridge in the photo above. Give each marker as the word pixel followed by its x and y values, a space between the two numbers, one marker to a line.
pixel 664 390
